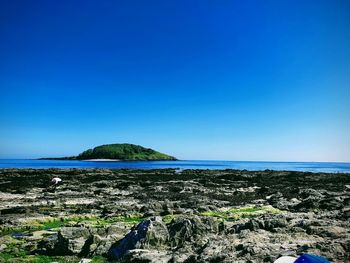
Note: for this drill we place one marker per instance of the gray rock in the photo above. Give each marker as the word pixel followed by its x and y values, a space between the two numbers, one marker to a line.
pixel 144 255
pixel 72 239
pixel 329 231
pixel 149 233
pixel 189 229
pixel 3 247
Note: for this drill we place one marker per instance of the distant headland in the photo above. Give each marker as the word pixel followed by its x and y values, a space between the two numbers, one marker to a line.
pixel 118 152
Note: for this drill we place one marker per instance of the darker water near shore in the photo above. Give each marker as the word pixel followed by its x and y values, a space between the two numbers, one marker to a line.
pixel 329 167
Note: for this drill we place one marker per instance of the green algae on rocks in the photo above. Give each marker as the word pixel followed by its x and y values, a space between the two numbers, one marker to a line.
pixel 56 223
pixel 234 214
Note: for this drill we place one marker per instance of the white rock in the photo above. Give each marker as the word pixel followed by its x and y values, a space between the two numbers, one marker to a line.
pixel 2 247
pixel 285 259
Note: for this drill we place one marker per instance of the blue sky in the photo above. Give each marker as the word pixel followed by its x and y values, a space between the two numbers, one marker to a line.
pixel 230 80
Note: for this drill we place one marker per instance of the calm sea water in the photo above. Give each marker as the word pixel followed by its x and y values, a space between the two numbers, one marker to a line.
pixel 290 166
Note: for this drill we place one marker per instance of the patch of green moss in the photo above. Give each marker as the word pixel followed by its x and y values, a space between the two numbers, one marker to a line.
pixel 168 218
pixel 42 259
pixel 57 223
pixel 130 219
pixel 13 250
pixel 235 214
pixel 39 258
pixel 98 259
pixel 6 256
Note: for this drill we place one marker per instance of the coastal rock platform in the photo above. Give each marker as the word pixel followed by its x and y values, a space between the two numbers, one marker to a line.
pixel 168 215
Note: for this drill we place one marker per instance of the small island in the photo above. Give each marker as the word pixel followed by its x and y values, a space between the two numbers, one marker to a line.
pixel 118 152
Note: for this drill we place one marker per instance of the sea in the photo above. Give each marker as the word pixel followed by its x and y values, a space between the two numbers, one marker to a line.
pixel 328 167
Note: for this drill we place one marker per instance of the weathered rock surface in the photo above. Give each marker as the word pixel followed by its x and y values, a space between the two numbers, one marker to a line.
pixel 150 233
pixel 171 216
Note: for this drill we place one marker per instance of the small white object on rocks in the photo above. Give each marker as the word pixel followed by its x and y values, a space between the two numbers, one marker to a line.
pixel 285 259
pixel 85 260
pixel 2 247
pixel 56 180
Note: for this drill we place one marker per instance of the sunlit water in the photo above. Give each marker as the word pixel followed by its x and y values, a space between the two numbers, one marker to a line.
pixel 188 164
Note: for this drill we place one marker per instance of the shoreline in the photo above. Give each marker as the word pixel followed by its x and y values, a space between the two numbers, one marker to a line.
pixel 175 169
pixel 101 160
pixel 107 163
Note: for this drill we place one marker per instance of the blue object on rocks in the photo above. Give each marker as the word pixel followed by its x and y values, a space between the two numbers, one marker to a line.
pixel 307 258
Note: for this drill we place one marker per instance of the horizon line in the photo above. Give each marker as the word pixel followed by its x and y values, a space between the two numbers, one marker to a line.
pixel 204 160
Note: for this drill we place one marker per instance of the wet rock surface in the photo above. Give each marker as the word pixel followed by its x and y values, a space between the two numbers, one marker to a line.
pixel 171 216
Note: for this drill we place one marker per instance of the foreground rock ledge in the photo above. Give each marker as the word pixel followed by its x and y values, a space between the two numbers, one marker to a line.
pixel 170 216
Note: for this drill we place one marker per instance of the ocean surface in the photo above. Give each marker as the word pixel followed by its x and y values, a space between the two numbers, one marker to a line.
pixel 188 164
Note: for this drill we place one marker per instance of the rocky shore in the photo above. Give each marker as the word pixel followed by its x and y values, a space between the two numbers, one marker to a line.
pixel 172 216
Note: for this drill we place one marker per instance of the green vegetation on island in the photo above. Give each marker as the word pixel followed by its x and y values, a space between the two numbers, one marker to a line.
pixel 119 151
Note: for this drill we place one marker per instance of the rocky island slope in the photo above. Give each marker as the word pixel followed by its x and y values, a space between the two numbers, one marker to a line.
pixel 119 151
pixel 172 216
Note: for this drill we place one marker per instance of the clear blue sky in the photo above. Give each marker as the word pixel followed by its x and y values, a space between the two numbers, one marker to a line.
pixel 232 80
